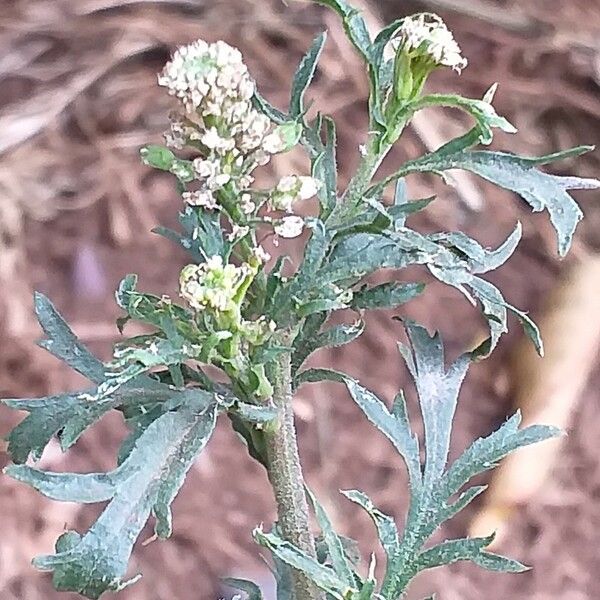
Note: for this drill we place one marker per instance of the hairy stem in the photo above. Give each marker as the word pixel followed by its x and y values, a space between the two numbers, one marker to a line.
pixel 285 474
pixel 372 158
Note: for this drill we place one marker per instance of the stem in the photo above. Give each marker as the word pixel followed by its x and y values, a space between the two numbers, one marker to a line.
pixel 373 157
pixel 285 474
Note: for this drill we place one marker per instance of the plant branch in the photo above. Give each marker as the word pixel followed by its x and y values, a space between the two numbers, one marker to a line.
pixel 285 474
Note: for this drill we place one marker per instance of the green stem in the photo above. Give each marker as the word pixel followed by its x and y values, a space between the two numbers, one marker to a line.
pixel 285 474
pixel 374 153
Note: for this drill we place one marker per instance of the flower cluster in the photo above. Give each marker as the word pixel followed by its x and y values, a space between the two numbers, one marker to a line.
pixel 212 284
pixel 427 36
pixel 215 89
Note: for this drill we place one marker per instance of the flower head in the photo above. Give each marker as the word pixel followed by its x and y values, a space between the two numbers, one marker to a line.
pixel 215 89
pixel 426 36
pixel 211 284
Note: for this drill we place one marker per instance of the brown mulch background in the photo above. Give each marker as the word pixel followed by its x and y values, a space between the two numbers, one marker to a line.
pixel 78 97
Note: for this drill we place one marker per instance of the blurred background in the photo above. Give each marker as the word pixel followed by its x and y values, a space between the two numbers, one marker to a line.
pixel 78 97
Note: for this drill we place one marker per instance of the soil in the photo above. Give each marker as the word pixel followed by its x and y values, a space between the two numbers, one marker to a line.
pixel 95 229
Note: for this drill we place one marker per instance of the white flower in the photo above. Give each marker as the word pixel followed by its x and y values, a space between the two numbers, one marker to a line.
pixel 215 89
pixel 247 206
pixel 309 186
pixel 273 143
pixel 237 232
pixel 289 227
pixel 292 188
pixel 202 197
pixel 427 35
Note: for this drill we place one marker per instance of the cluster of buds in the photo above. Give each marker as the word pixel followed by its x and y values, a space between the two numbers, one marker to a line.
pixel 423 42
pixel 212 285
pixel 215 90
pixel 216 291
pixel 427 37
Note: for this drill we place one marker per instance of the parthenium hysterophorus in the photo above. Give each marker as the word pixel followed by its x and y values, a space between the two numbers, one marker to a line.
pixel 258 327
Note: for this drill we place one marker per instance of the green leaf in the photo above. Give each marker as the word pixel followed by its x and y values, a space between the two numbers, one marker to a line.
pixel 437 389
pixel 486 453
pixel 394 425
pixel 354 25
pixel 468 549
pixel 334 543
pixel 517 174
pixel 335 336
pixel 147 481
pixel 304 75
pixel 63 343
pixel 158 157
pixel 386 528
pixel 483 112
pixel 322 576
pixel 324 168
pixel 202 235
pixel 386 295
pixel 263 105
pixel 251 589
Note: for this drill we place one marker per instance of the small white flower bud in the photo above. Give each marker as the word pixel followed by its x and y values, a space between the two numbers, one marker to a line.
pixel 290 227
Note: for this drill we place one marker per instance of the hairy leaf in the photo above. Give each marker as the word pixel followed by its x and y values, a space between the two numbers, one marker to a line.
pixel 485 453
pixel 324 168
pixel 323 577
pixel 354 25
pixel 251 589
pixel 468 549
pixel 386 295
pixel 304 75
pixel 386 528
pixel 63 343
pixel 334 543
pixel 147 481
pixel 438 393
pixel 517 174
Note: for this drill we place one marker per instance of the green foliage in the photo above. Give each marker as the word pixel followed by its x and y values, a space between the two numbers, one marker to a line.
pixel 257 326
pixel 433 483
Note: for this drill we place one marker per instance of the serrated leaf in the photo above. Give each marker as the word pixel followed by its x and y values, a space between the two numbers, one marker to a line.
pixel 263 105
pixel 386 527
pixel 304 75
pixel 335 336
pixel 323 577
pixel 437 389
pixel 70 414
pixel 541 190
pixel 334 543
pixel 386 295
pixel 394 425
pixel 257 414
pixel 63 343
pixel 485 453
pixel 468 549
pixel 147 481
